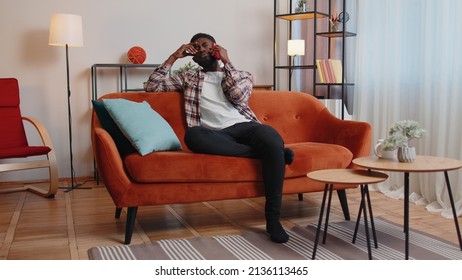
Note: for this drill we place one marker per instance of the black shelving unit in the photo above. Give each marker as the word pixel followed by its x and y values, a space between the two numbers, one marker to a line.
pixel 289 17
pixel 312 17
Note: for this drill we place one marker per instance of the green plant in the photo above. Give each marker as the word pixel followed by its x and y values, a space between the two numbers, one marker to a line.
pixel 188 66
pixel 401 132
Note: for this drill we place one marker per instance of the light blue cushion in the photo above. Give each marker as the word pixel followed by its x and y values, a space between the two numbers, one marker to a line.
pixel 146 130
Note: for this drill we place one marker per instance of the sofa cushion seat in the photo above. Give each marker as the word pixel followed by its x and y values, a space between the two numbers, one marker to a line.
pixel 185 166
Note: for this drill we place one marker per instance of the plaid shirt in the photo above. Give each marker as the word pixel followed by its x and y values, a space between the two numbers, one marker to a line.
pixel 237 87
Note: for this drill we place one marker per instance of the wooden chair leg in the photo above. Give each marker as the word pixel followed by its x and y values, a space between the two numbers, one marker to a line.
pixel 49 163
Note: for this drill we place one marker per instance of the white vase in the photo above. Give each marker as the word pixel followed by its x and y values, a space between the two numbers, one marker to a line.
pixel 380 152
pixel 406 154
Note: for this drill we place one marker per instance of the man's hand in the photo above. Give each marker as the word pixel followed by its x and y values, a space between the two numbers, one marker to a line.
pixel 222 51
pixel 181 52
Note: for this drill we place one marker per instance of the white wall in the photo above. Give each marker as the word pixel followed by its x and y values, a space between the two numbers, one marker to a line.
pixel 111 27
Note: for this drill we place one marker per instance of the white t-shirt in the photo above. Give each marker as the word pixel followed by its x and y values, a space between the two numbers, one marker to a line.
pixel 216 111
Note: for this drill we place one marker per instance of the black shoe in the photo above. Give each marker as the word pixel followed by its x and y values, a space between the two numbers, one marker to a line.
pixel 277 232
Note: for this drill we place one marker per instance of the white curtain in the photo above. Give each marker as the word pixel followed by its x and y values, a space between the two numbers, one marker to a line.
pixel 409 66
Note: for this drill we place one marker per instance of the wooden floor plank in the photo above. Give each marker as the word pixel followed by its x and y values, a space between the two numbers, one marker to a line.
pixel 9 236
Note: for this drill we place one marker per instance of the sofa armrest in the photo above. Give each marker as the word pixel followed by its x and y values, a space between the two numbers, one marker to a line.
pixel 110 165
pixel 356 136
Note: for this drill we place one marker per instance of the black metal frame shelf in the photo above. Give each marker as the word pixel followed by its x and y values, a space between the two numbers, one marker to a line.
pixel 313 15
pixel 302 16
pixel 309 15
pixel 335 84
pixel 123 75
pixel 337 34
pixel 296 67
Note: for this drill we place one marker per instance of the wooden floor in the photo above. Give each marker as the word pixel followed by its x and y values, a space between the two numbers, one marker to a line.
pixel 65 227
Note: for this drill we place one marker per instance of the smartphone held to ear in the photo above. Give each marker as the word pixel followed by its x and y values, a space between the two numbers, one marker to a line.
pixel 216 54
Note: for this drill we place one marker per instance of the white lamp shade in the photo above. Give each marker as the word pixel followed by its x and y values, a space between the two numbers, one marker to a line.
pixel 295 47
pixel 66 29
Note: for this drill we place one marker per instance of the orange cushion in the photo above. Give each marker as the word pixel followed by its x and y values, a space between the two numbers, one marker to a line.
pixel 184 166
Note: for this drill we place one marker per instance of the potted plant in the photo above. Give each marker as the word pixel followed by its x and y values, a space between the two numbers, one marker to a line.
pixel 188 66
pixel 400 135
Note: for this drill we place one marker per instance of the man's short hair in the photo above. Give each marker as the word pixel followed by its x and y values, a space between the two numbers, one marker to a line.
pixel 202 35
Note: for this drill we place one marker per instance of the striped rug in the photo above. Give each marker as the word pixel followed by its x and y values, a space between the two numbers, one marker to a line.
pixel 257 246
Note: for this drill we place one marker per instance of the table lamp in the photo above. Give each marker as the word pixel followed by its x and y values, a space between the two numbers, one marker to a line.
pixel 294 48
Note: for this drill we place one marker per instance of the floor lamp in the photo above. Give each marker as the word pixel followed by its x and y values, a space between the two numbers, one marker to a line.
pixel 294 48
pixel 66 30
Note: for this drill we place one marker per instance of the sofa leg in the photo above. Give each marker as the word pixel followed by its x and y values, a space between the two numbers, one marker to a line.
pixel 300 197
pixel 344 203
pixel 131 216
pixel 118 211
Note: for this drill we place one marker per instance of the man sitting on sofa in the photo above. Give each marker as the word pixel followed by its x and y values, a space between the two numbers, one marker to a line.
pixel 220 121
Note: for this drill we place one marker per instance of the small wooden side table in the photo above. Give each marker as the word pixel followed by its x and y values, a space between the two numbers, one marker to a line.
pixel 349 177
pixel 421 164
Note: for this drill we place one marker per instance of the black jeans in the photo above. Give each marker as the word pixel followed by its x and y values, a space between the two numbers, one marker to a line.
pixel 248 139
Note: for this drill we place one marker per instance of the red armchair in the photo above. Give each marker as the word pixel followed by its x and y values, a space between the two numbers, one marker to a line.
pixel 14 144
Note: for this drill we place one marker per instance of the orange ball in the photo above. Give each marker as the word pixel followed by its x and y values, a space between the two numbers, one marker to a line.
pixel 136 55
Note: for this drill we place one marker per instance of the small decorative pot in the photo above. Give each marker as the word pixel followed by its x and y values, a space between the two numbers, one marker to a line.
pixel 380 152
pixel 406 154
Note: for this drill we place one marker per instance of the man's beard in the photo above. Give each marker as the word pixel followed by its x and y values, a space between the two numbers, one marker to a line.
pixel 206 63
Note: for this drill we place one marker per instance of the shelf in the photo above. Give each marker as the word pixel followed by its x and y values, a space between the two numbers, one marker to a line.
pixel 134 89
pixel 333 46
pixel 125 65
pixel 335 84
pixel 336 34
pixel 302 16
pixel 262 87
pixel 296 67
pixel 123 75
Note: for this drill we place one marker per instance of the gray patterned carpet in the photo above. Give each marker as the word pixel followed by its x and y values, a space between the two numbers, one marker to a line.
pixel 257 246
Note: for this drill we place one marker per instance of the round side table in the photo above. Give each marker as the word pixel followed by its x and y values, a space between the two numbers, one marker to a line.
pixel 349 177
pixel 421 164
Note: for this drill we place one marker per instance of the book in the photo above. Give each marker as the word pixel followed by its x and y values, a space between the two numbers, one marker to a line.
pixel 330 71
pixel 337 69
pixel 325 71
pixel 320 72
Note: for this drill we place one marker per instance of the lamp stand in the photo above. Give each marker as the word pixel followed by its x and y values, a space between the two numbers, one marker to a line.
pixel 292 63
pixel 74 183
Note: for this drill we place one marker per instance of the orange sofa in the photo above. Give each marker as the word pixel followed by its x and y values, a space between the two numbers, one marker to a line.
pixel 318 139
